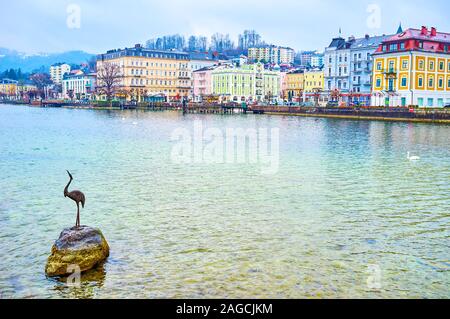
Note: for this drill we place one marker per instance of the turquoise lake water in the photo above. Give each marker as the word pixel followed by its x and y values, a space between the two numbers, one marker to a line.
pixel 346 206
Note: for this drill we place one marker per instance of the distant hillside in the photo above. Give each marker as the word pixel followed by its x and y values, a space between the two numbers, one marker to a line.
pixel 10 59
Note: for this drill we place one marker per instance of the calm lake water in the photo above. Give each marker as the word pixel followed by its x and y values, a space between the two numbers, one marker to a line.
pixel 345 208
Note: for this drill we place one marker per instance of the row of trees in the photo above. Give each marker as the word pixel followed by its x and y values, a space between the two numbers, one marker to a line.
pixel 218 42
pixel 16 75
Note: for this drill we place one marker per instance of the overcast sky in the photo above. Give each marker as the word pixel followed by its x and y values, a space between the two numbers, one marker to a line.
pixel 35 26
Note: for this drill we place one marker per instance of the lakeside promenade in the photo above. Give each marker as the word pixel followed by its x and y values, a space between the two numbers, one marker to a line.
pixel 422 115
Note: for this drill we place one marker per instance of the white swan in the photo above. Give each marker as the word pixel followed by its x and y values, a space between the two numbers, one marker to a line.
pixel 413 158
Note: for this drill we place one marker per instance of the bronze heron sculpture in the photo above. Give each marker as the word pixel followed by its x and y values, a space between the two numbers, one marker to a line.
pixel 77 196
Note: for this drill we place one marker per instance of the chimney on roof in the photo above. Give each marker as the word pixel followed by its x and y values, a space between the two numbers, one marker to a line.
pixel 433 31
pixel 424 31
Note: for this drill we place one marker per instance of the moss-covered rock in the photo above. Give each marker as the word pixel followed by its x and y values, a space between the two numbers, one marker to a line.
pixel 85 247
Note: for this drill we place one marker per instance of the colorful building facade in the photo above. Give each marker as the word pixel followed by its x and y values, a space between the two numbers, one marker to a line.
pixel 8 88
pixel 314 81
pixel 348 67
pixel 199 61
pixel 413 68
pixel 202 83
pixel 147 74
pixel 271 54
pixel 79 86
pixel 57 72
pixel 295 85
pixel 249 83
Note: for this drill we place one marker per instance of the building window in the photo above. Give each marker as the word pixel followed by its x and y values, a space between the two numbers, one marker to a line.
pixel 431 82
pixel 405 65
pixel 378 83
pixel 441 83
pixel 431 66
pixel 379 66
pixel 430 102
pixel 441 66
pixel 402 46
pixel 420 82
pixel 391 66
pixel 393 47
pixel 420 101
pixel 404 82
pixel 421 65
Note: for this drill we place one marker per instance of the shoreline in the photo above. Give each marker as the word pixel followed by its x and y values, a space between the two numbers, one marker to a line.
pixel 362 118
pixel 283 111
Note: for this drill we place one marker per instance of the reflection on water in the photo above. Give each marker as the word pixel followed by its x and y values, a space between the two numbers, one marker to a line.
pixel 90 282
pixel 346 206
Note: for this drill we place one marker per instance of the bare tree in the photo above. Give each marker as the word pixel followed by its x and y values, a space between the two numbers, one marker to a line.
pixel 109 80
pixel 41 81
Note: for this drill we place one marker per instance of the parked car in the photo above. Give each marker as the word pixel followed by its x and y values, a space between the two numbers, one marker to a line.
pixel 447 106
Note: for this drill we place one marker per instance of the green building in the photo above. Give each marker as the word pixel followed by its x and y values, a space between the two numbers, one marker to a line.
pixel 250 83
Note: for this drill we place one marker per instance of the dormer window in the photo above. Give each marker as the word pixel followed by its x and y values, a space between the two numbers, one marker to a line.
pixel 402 46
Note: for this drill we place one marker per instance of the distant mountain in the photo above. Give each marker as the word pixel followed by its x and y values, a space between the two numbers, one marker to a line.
pixel 10 59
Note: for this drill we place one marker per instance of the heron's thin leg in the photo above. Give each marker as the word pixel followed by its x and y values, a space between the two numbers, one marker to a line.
pixel 78 215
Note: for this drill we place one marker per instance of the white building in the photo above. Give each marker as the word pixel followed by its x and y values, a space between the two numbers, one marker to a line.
pixel 271 54
pixel 79 87
pixel 317 61
pixel 57 72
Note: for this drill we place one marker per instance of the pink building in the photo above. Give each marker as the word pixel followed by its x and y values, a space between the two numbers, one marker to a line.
pixel 202 82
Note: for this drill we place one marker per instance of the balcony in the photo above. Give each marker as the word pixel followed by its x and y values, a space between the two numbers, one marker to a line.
pixel 390 73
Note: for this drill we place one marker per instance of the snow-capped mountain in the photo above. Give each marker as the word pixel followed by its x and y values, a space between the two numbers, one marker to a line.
pixel 11 59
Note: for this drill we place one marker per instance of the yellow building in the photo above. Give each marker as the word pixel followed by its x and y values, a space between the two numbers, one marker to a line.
pixel 314 81
pixel 23 88
pixel 150 74
pixel 8 87
pixel 295 82
pixel 413 69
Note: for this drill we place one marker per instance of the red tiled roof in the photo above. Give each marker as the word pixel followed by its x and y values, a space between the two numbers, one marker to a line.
pixel 417 34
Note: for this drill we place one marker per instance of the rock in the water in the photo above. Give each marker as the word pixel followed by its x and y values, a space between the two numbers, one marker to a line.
pixel 84 247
